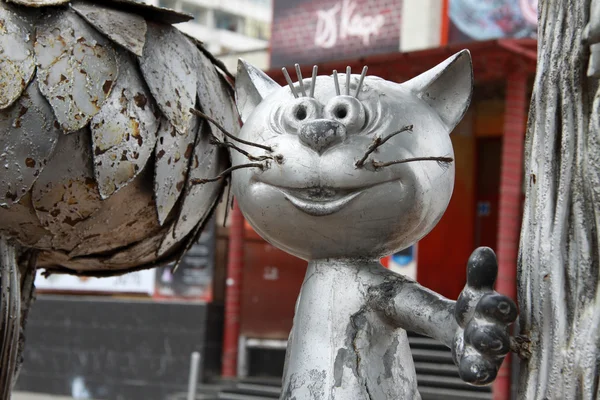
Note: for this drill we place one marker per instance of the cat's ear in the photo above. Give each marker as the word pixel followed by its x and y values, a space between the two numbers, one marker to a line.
pixel 447 87
pixel 251 87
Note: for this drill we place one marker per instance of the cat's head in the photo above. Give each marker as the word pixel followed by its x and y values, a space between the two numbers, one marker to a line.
pixel 322 198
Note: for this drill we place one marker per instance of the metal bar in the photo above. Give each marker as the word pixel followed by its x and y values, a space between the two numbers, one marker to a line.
pixel 193 379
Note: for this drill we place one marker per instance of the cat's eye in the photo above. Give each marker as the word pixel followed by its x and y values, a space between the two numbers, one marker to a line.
pixel 347 110
pixel 299 111
pixel 340 111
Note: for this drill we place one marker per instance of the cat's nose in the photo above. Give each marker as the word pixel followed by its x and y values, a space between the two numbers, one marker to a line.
pixel 320 134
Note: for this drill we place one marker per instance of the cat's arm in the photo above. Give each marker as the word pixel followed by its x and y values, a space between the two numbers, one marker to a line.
pixel 475 327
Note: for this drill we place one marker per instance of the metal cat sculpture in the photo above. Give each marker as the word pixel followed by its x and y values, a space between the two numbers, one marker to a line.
pixel 352 168
pixel 98 145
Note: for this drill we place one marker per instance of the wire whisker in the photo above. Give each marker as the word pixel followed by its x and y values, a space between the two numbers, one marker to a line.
pixel 300 82
pixel 289 82
pixel 336 82
pixel 377 142
pixel 313 80
pixel 229 135
pixel 230 145
pixel 360 81
pixel 378 164
pixel 227 204
pixel 348 74
pixel 228 171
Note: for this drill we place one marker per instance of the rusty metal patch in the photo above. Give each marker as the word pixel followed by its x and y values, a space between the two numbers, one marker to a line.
pixel 169 67
pixel 207 161
pixel 17 64
pixel 77 68
pixel 39 3
pixel 28 136
pixel 172 158
pixel 126 29
pixel 127 217
pixel 66 193
pixel 215 99
pixel 124 131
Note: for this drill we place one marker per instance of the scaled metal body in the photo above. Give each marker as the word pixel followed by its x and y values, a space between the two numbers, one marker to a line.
pixel 98 141
pixel 361 168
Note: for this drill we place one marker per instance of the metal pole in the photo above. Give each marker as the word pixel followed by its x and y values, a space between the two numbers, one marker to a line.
pixel 233 294
pixel 193 379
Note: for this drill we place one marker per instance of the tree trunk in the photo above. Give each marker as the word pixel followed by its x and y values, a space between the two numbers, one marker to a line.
pixel 558 261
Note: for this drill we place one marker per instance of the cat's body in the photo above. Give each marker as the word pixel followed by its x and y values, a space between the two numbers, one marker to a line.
pixel 341 347
pixel 352 169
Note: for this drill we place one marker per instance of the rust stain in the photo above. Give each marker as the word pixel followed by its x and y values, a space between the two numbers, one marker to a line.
pixel 140 100
pixel 189 150
pixel 107 86
pixel 30 162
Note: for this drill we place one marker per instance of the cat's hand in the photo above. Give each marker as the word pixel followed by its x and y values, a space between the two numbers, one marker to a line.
pixel 482 338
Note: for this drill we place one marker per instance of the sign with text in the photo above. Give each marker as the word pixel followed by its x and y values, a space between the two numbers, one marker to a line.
pixel 491 19
pixel 134 282
pixel 311 31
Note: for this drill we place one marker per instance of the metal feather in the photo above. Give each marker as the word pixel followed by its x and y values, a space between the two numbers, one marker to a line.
pixel 127 217
pixel 215 99
pixel 124 131
pixel 77 68
pixel 169 67
pixel 172 158
pixel 207 161
pixel 17 64
pixel 66 192
pixel 125 29
pixel 28 136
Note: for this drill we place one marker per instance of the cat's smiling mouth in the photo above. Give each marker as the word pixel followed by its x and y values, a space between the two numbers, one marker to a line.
pixel 320 201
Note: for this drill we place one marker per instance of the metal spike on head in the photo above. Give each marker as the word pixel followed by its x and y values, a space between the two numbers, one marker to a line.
pixel 348 73
pixel 360 81
pixel 336 82
pixel 313 80
pixel 300 83
pixel 289 82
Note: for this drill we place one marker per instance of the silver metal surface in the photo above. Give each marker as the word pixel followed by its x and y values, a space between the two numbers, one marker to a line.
pixel 172 155
pixel 10 315
pixel 77 68
pixel 126 29
pixel 318 175
pixel 66 192
pixel 124 131
pixel 169 67
pixel 28 136
pixel 17 64
pixel 350 179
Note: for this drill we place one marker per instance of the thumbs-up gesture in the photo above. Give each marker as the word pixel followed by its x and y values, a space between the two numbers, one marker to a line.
pixel 482 338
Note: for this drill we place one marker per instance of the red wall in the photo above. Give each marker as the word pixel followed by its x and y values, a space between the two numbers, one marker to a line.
pixel 443 254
